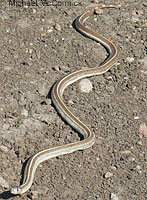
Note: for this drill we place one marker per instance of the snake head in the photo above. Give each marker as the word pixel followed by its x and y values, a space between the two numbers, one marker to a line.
pixel 15 190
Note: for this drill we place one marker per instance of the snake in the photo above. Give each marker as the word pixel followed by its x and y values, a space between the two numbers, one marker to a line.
pixel 57 99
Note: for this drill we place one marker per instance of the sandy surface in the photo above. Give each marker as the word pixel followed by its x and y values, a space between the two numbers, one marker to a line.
pixel 31 52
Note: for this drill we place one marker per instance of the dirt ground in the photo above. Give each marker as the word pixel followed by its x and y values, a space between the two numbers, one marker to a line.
pixel 34 55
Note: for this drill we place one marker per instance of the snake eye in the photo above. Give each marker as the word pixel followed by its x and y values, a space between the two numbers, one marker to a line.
pixel 15 190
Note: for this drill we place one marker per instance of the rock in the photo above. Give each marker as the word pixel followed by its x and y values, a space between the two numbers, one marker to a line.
pixel 114 197
pixel 22 101
pixel 57 27
pixel 108 175
pixel 139 143
pixel 136 117
pixel 34 194
pixel 56 68
pixel 129 59
pixel 85 85
pixel 126 152
pixel 138 167
pixel 42 189
pixel 3 149
pixel 143 129
pixel 3 183
pixel 70 101
pixel 48 118
pixel 43 90
pixel 24 113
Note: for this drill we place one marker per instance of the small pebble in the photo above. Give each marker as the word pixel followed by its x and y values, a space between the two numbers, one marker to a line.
pixel 140 12
pixel 144 61
pixel 34 195
pixel 108 77
pixel 43 90
pixel 6 126
pixel 30 51
pixel 135 18
pixel 138 167
pixel 70 101
pixel 8 68
pixel 85 85
pixel 108 175
pixel 3 183
pixel 49 30
pixel 132 159
pixel 34 11
pixel 139 143
pixel 136 117
pixel 43 34
pixel 114 168
pixel 114 197
pixel 48 101
pixel 64 68
pixel 129 59
pixel 49 21
pixel 22 101
pixel 99 11
pixel 24 113
pixel 30 63
pixel 42 189
pixel 143 129
pixel 48 118
pixel 57 27
pixel 56 68
pixel 125 152
pixel 133 13
pixel 3 149
pixel 80 53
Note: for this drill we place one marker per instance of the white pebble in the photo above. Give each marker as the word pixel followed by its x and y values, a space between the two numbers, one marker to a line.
pixel 64 67
pixel 126 152
pixel 114 197
pixel 50 30
pixel 143 129
pixel 56 68
pixel 113 168
pixel 138 167
pixel 43 90
pixel 57 27
pixel 3 183
pixel 70 101
pixel 48 118
pixel 85 85
pixel 8 68
pixel 34 194
pixel 144 61
pixel 34 11
pixel 108 175
pixel 24 112
pixel 6 126
pixel 129 59
pixel 42 190
pixel 139 143
pixel 136 117
pixel 3 149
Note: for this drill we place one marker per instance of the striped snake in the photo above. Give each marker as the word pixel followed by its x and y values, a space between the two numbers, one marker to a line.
pixel 56 96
